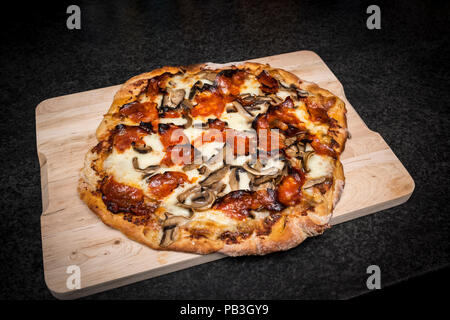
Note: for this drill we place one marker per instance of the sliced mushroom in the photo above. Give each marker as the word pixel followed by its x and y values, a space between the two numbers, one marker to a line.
pixel 199 200
pixel 245 95
pixel 190 167
pixel 231 109
pixel 242 111
pixel 289 141
pixel 275 99
pixel 282 174
pixel 176 96
pixel 292 151
pixel 313 182
pixel 185 194
pixel 262 99
pixel 149 169
pixel 204 170
pixel 208 75
pixel 188 119
pixel 166 239
pixel 302 93
pixel 142 149
pixel 215 176
pixel 259 172
pixel 215 158
pixel 174 221
pixel 234 179
pixel 218 187
pixel 173 98
pixel 305 158
pixel 296 163
pixel 262 179
pixel 186 104
pixel 196 87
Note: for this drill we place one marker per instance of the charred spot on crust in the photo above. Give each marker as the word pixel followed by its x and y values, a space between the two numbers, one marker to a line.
pixel 227 73
pixel 240 203
pixel 120 198
pixel 233 237
pixel 267 224
pixel 268 83
pixel 98 147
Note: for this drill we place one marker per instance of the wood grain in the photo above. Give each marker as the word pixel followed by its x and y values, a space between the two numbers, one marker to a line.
pixel 72 235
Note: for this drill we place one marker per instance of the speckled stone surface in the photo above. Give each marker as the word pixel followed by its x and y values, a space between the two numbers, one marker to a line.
pixel 397 78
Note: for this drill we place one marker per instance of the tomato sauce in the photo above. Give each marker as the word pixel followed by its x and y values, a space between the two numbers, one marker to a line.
pixel 162 184
pixel 119 197
pixel 209 102
pixel 289 190
pixel 127 136
pixel 178 155
pixel 238 204
pixel 268 83
pixel 171 135
pixel 140 112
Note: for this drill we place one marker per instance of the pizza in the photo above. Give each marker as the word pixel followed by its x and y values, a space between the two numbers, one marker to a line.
pixel 241 159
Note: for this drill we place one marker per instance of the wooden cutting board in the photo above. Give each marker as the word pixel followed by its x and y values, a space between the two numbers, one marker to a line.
pixel 73 236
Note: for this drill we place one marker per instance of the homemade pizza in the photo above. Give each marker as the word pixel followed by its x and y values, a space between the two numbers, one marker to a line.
pixel 240 159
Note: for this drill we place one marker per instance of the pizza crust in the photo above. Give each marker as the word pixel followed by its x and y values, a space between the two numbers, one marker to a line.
pixel 288 231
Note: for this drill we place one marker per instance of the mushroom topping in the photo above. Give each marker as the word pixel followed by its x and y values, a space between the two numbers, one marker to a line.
pixel 275 99
pixel 259 172
pixel 141 149
pixel 215 176
pixel 234 179
pixel 190 167
pixel 186 104
pixel 204 170
pixel 292 151
pixel 174 221
pixel 301 93
pixel 242 111
pixel 305 157
pixel 263 179
pixel 149 169
pixel 199 200
pixel 185 194
pixel 168 237
pixel 188 119
pixel 216 158
pixel 174 98
pixel 170 226
pixel 231 109
pixel 313 182
pixel 198 86
pixel 218 188
pixel 208 75
pixel 177 96
pixel 289 141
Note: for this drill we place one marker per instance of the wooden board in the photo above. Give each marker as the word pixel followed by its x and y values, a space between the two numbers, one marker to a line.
pixel 73 235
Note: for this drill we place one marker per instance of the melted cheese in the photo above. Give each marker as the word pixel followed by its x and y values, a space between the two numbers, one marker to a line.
pixel 244 181
pixel 319 166
pixel 303 116
pixel 175 121
pixel 236 121
pixel 251 85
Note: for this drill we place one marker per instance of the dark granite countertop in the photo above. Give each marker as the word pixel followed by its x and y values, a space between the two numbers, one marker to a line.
pixel 397 79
